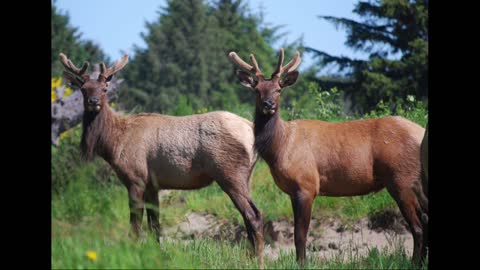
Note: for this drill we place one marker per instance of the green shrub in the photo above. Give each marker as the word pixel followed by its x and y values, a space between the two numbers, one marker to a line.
pixel 68 166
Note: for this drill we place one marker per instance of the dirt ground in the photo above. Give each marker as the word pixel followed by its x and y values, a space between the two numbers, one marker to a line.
pixel 326 238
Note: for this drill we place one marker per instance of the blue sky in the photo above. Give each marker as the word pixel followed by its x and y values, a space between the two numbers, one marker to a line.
pixel 116 25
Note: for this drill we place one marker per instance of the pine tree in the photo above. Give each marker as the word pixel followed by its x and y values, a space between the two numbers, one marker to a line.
pixel 187 55
pixel 388 27
pixel 67 39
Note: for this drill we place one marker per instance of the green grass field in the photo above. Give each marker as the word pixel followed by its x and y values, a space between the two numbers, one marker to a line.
pixel 89 216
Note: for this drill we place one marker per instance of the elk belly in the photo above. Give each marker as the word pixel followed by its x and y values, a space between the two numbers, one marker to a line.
pixel 167 177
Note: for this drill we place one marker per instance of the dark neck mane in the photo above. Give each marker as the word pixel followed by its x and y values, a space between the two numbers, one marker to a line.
pixel 269 135
pixel 98 135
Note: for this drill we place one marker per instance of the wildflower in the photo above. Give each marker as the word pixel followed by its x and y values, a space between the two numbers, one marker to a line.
pixel 68 92
pixel 54 96
pixel 92 255
pixel 56 82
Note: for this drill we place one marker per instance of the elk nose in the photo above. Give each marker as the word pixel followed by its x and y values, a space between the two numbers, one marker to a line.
pixel 268 104
pixel 93 100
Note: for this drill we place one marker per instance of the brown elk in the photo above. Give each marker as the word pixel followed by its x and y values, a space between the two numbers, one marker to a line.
pixel 424 159
pixel 421 188
pixel 150 151
pixel 424 178
pixel 309 158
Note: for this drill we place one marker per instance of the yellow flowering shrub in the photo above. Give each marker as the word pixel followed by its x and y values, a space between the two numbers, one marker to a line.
pixel 56 83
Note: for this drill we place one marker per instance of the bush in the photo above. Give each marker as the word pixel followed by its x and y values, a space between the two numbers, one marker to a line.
pixel 317 104
pixel 68 166
pixel 412 109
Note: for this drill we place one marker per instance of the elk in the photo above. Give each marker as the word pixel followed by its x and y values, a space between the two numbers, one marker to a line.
pixel 309 158
pixel 424 159
pixel 421 188
pixel 150 151
pixel 424 178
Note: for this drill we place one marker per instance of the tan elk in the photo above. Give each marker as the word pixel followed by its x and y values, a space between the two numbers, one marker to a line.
pixel 309 158
pixel 150 152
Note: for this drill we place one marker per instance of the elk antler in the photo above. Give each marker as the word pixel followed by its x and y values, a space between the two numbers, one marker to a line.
pixel 71 67
pixel 255 69
pixel 292 65
pixel 105 73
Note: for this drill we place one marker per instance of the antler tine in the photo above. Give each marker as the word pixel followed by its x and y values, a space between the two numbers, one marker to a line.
pixel 258 72
pixel 67 63
pixel 106 72
pixel 240 62
pixel 255 69
pixel 278 70
pixel 103 68
pixel 293 64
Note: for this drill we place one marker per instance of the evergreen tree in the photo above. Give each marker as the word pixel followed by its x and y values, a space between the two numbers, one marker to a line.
pixel 67 39
pixel 388 27
pixel 187 55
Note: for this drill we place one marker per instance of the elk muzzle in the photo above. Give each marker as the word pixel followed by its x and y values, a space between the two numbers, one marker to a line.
pixel 93 104
pixel 268 107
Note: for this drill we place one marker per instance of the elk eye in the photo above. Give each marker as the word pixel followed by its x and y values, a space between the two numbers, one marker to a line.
pixel 105 90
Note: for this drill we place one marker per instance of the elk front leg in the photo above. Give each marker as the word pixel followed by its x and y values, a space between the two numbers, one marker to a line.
pixel 136 204
pixel 302 210
pixel 152 205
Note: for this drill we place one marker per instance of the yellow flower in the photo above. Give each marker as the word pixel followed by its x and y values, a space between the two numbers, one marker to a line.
pixel 112 104
pixel 56 82
pixel 68 92
pixel 92 255
pixel 54 96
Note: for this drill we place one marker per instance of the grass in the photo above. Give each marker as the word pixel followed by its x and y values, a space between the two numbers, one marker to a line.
pixel 114 249
pixel 91 216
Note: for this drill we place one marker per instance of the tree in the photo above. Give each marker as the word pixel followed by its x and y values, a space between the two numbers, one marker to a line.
pixel 388 27
pixel 187 55
pixel 67 39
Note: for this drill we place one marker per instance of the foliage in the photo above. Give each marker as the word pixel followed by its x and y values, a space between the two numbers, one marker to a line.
pixel 67 39
pixel 186 55
pixel 395 35
pixel 68 167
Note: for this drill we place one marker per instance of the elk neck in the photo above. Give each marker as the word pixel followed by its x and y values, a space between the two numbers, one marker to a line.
pixel 100 133
pixel 270 135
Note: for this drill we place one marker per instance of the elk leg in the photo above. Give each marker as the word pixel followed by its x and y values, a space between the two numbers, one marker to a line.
pixel 136 204
pixel 410 208
pixel 302 210
pixel 251 216
pixel 151 198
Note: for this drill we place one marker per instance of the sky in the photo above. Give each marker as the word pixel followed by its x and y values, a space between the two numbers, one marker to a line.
pixel 115 25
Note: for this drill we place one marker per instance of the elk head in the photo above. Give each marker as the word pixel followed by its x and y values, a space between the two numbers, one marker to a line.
pixel 94 90
pixel 267 90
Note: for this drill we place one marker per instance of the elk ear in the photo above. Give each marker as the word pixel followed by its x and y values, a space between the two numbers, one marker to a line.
pixel 72 79
pixel 245 79
pixel 289 79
